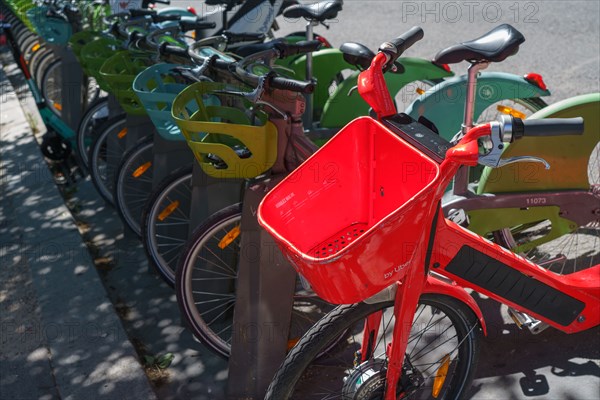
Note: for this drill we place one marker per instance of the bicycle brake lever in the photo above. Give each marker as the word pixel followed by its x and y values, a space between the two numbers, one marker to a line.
pixel 496 148
pixel 511 160
pixel 271 106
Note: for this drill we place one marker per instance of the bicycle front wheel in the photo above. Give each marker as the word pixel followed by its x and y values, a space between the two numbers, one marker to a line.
pixel 445 334
pixel 133 183
pixel 96 115
pixel 166 222
pixel 207 278
pixel 105 155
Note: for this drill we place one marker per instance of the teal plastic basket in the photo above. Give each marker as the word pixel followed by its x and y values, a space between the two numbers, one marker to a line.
pixel 52 29
pixel 156 87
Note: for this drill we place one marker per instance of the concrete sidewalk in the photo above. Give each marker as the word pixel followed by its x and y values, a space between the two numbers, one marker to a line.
pixel 59 334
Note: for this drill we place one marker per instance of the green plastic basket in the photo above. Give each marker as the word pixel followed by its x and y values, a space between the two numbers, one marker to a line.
pixel 80 39
pixel 119 72
pixel 94 54
pixel 53 30
pixel 223 138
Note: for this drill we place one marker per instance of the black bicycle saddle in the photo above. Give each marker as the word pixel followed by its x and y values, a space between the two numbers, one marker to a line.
pixel 319 12
pixel 494 46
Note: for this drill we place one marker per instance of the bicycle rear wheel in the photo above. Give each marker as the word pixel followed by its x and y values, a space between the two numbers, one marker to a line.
pixel 574 251
pixel 445 333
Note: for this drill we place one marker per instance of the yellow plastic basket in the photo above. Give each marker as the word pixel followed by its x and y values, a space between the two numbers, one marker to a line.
pixel 223 138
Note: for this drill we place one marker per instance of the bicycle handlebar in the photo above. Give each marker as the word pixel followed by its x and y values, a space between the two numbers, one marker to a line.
pixel 394 48
pixel 189 25
pixel 233 37
pixel 275 82
pixel 546 127
pixel 290 49
pixel 168 49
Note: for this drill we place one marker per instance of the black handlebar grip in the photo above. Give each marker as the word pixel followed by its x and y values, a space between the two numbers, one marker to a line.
pixel 146 3
pixel 547 127
pixel 163 18
pixel 219 63
pixel 290 49
pixel 141 13
pixel 396 47
pixel 190 25
pixel 233 37
pixel 171 50
pixel 278 82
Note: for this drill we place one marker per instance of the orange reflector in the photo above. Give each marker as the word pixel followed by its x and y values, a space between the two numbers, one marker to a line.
pixel 36 47
pixel 122 133
pixel 194 35
pixel 58 106
pixel 168 210
pixel 511 111
pixel 140 170
pixel 419 90
pixel 229 237
pixel 292 343
pixel 440 376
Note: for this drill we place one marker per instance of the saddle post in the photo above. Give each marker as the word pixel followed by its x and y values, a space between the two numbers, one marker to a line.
pixel 461 179
pixel 308 116
pixel 473 70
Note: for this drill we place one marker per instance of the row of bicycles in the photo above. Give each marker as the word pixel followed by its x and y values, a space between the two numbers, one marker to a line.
pixel 178 108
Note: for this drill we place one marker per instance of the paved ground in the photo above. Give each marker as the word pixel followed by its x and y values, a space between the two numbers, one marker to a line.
pixel 44 287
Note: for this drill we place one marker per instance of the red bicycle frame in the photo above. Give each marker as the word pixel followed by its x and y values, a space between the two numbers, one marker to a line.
pixel 570 303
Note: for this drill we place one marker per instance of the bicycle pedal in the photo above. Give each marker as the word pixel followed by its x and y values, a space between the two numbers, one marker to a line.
pixel 535 326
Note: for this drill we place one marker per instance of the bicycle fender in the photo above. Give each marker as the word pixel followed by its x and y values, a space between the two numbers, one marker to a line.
pixel 444 104
pixel 568 156
pixel 327 64
pixel 437 286
pixel 341 107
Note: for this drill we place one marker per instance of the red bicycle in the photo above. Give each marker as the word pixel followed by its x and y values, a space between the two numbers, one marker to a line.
pixel 361 221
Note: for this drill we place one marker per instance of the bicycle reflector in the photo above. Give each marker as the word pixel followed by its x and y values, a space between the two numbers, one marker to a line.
pixel 440 376
pixel 511 111
pixel 230 237
pixel 536 79
pixel 168 210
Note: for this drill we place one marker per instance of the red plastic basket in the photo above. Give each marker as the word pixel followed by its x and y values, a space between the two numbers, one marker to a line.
pixel 351 217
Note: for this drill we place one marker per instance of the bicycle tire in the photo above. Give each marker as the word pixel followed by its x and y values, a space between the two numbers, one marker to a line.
pixel 166 222
pixel 213 326
pixel 51 86
pixel 133 183
pixel 367 380
pixel 96 115
pixel 44 63
pixel 103 160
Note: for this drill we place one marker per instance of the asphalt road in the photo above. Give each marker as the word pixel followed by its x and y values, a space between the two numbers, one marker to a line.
pixel 562 37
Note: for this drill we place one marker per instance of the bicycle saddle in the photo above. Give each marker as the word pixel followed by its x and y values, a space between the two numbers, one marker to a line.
pixel 357 54
pixel 228 3
pixel 319 12
pixel 494 46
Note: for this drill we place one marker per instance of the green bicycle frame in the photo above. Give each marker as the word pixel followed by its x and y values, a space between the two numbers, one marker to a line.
pixel 568 158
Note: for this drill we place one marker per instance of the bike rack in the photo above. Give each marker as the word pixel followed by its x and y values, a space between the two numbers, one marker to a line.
pixel 263 309
pixel 71 86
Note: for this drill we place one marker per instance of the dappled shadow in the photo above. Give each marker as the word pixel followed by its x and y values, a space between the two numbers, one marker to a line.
pixel 520 364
